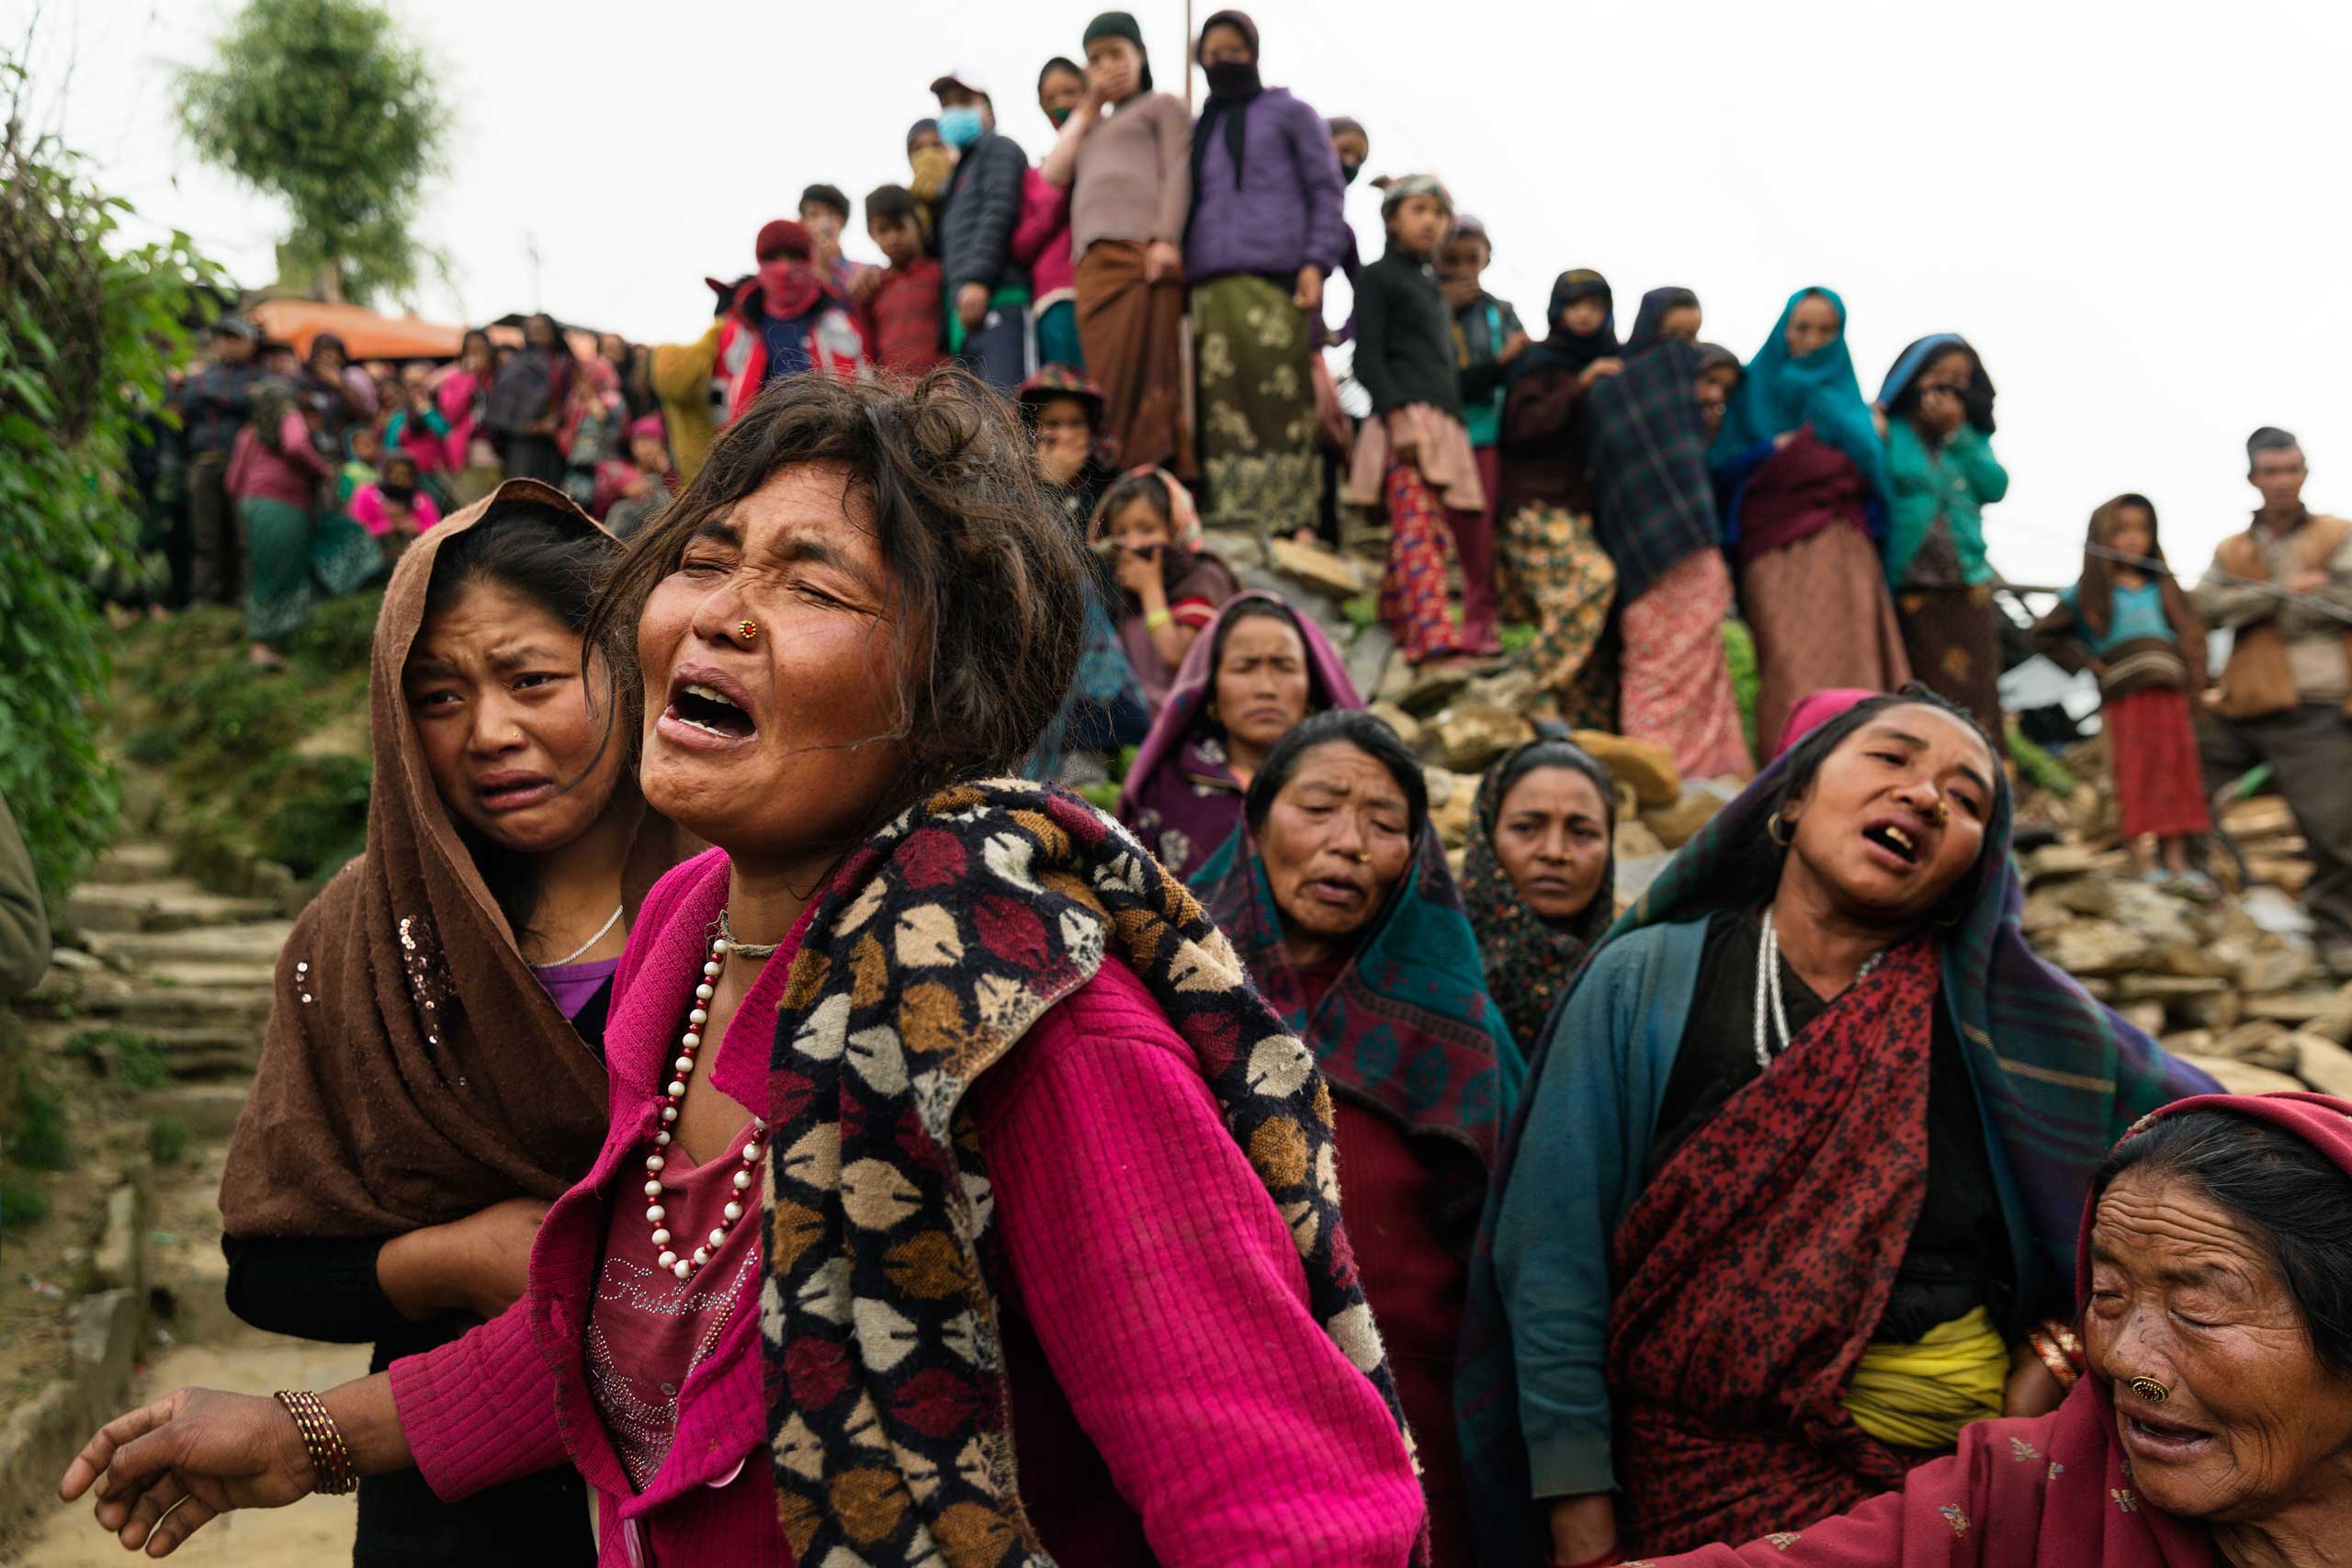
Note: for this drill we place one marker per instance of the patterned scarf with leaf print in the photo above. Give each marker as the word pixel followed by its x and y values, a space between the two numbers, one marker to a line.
pixel 932 951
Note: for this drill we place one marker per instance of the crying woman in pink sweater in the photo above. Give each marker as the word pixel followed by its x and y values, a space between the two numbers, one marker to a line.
pixel 960 1202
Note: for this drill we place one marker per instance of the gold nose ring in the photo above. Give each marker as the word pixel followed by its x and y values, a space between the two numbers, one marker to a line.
pixel 748 630
pixel 2149 1389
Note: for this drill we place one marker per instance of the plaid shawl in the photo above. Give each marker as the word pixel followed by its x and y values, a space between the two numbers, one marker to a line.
pixel 930 954
pixel 1653 503
pixel 1408 1029
pixel 2060 1078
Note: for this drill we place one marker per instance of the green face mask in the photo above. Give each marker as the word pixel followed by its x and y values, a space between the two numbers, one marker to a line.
pixel 1059 117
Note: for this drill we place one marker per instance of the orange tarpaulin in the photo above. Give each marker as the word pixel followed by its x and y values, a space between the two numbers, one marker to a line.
pixel 364 332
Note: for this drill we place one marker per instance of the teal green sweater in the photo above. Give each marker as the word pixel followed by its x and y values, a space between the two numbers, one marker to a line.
pixel 1960 480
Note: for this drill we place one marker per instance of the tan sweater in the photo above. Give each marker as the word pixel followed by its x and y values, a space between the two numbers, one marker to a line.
pixel 1135 175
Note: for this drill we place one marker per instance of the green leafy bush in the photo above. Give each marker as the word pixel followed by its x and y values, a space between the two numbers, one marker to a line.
pixel 24 1203
pixel 90 326
pixel 38 1139
pixel 321 820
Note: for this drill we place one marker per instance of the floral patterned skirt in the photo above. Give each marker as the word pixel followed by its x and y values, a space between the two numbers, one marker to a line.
pixel 1255 364
pixel 1555 574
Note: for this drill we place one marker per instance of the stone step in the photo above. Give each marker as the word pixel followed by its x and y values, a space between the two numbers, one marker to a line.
pixel 133 860
pixel 208 1111
pixel 225 974
pixel 252 942
pixel 134 1004
pixel 207 1052
pixel 168 904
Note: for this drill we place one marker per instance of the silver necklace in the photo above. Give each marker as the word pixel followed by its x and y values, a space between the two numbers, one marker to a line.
pixel 592 941
pixel 1772 1024
pixel 746 949
pixel 1772 1000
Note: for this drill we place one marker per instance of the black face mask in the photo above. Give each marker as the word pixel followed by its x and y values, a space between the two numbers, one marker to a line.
pixel 1232 78
pixel 1347 171
pixel 403 495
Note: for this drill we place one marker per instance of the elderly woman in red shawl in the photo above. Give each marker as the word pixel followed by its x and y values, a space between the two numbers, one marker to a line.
pixel 2212 1421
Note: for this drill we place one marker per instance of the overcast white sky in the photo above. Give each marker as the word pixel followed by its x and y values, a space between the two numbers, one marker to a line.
pixel 2138 221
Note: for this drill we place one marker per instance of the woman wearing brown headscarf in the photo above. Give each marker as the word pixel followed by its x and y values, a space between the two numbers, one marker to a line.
pixel 434 1070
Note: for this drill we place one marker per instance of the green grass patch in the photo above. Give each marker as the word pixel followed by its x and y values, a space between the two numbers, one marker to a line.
pixel 167 1139
pixel 24 1202
pixel 128 1057
pixel 36 1139
pixel 252 759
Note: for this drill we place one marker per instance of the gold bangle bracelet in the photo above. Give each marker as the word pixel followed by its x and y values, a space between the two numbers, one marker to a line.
pixel 330 1456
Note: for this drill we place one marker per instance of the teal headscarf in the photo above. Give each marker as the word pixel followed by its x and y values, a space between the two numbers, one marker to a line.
pixel 1779 393
pixel 1408 1029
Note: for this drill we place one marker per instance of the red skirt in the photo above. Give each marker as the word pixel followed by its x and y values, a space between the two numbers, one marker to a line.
pixel 2159 782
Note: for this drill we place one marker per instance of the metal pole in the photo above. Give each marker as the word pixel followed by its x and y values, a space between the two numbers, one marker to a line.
pixel 1187 56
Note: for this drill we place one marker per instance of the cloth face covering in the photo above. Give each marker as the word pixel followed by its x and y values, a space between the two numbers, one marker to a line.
pixel 959 128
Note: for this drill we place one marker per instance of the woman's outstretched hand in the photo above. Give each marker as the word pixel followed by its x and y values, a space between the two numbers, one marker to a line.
pixel 166 1469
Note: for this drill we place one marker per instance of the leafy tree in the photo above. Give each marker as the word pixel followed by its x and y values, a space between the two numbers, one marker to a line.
pixel 324 103
pixel 87 328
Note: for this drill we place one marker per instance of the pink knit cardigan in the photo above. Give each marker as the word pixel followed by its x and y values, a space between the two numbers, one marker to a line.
pixel 1155 1272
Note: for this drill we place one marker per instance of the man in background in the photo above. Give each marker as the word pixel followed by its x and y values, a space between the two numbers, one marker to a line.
pixel 2284 586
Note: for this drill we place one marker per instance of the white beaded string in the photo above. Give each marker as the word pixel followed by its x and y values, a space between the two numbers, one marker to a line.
pixel 1771 999
pixel 684 1265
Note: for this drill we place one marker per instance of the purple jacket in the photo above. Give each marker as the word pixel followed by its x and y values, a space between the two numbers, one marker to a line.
pixel 1284 210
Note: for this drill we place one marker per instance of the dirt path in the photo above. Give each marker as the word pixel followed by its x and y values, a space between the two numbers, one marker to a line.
pixel 314 1533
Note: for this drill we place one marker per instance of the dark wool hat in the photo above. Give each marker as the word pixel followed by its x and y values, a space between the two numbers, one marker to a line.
pixel 1113 24
pixel 782 236
pixel 1122 24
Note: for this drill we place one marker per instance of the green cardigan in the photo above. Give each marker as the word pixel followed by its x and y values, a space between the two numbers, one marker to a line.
pixel 1959 480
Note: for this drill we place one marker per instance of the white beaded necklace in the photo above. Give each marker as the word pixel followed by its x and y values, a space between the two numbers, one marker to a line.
pixel 1771 1003
pixel 667 1257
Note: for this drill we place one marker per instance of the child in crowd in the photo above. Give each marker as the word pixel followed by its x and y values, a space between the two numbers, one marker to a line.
pixel 394 508
pixel 1487 337
pixel 824 212
pixel 418 431
pixel 1065 411
pixel 363 448
pixel 1041 241
pixel 930 165
pixel 1413 454
pixel 2127 623
pixel 1170 587
pixel 594 419
pixel 627 493
pixel 902 312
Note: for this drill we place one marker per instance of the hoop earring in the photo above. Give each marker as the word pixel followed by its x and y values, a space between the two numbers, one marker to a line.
pixel 1774 828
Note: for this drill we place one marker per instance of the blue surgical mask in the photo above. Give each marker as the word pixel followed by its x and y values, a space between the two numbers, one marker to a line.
pixel 959 128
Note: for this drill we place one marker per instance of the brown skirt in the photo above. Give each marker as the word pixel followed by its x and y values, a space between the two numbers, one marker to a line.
pixel 1133 333
pixel 1955 649
pixel 1822 618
